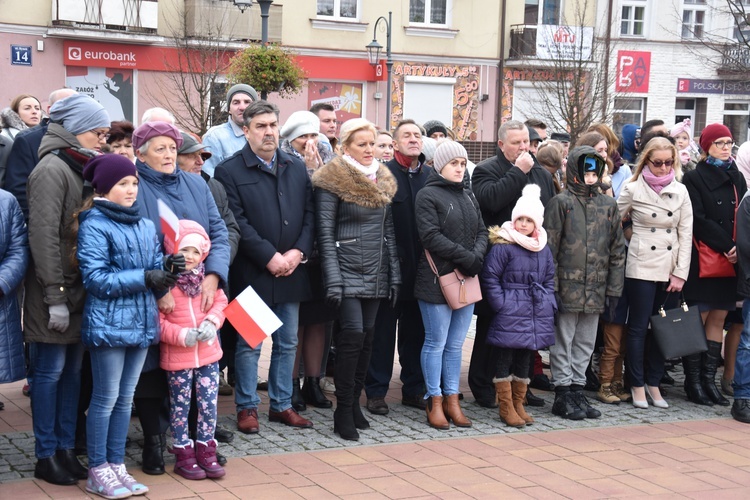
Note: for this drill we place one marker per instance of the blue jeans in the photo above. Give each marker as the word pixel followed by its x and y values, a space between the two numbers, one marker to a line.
pixel 444 335
pixel 54 401
pixel 283 351
pixel 115 372
pixel 741 382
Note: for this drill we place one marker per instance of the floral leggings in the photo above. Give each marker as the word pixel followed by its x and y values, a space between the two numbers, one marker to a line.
pixel 206 380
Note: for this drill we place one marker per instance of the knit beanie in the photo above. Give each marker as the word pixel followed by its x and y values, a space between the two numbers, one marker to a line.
pixel 429 145
pixel 243 88
pixel 530 205
pixel 104 171
pixel 149 130
pixel 191 234
pixel 432 126
pixel 711 133
pixel 300 123
pixel 683 126
pixel 446 151
pixel 79 113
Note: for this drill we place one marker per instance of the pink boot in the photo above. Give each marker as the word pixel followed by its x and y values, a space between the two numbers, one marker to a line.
pixel 185 464
pixel 205 454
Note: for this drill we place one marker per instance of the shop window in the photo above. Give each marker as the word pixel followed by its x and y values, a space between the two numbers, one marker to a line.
pixel 542 12
pixel 736 118
pixel 693 18
pixel 628 111
pixel 432 12
pixel 632 18
pixel 345 10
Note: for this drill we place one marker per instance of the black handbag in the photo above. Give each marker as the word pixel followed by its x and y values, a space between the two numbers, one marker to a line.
pixel 679 331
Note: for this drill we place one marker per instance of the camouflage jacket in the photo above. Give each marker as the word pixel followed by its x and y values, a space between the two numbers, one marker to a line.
pixel 585 236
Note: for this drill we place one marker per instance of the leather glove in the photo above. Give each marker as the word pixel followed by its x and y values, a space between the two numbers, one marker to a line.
pixel 192 337
pixel 59 317
pixel 175 264
pixel 558 299
pixel 334 295
pixel 160 280
pixel 475 268
pixel 393 295
pixel 207 331
pixel 610 308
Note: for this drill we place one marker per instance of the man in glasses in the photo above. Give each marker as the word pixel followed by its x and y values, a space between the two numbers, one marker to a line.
pixel 585 237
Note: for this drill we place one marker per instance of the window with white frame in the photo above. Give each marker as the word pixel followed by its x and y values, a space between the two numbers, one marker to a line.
pixel 693 18
pixel 347 10
pixel 432 12
pixel 632 18
pixel 736 119
pixel 626 111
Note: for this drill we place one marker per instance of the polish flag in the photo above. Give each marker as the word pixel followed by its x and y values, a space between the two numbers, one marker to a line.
pixel 170 224
pixel 251 317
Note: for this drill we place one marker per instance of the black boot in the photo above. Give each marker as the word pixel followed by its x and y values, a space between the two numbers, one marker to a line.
pixel 741 410
pixel 312 394
pixel 711 360
pixel 348 349
pixel 223 435
pixel 152 458
pixel 343 423
pixel 693 388
pixel 360 421
pixel 583 403
pixel 565 407
pixel 532 400
pixel 69 460
pixel 52 470
pixel 298 402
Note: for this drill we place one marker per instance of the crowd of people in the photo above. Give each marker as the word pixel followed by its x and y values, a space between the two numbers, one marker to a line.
pixel 346 232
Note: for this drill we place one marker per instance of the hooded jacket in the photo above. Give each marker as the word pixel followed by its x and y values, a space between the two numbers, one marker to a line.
pixel 450 226
pixel 519 286
pixel 115 248
pixel 584 234
pixel 356 239
pixel 55 192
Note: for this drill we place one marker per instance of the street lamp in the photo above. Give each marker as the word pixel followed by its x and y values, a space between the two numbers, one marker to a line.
pixel 243 4
pixel 373 54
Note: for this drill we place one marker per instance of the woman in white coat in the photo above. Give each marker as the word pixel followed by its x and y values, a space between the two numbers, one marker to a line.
pixel 658 258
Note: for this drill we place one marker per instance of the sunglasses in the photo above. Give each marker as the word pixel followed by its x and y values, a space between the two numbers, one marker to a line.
pixel 659 163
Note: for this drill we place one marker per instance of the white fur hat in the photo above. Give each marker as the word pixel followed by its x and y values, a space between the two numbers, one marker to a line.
pixel 530 205
pixel 300 123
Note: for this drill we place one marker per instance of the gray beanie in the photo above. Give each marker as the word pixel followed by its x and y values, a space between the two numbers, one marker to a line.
pixel 300 123
pixel 428 148
pixel 432 126
pixel 446 151
pixel 245 89
pixel 79 113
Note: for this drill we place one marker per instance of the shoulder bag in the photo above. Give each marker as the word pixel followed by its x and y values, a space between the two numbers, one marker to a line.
pixel 712 264
pixel 679 331
pixel 459 290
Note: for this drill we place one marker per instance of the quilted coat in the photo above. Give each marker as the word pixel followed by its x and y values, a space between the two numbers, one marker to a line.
pixel 584 234
pixel 115 247
pixel 14 257
pixel 356 239
pixel 519 286
pixel 450 226
pixel 175 355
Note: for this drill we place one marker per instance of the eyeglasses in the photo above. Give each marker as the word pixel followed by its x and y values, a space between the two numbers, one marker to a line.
pixel 723 144
pixel 100 135
pixel 659 163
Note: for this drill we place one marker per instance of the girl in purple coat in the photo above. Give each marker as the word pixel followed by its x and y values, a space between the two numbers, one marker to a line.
pixel 518 283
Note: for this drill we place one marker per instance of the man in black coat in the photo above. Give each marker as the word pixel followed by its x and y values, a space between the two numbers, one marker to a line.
pixel 497 183
pixel 271 197
pixel 408 168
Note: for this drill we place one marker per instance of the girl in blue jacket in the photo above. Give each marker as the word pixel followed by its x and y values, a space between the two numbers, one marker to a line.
pixel 518 283
pixel 121 265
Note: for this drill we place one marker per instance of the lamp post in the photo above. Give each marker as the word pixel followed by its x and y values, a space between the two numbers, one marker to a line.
pixel 243 4
pixel 373 54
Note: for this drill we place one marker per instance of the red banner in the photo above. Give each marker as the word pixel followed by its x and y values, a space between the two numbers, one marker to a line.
pixel 633 71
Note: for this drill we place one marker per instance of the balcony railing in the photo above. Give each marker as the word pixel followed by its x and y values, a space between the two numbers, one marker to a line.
pixel 122 15
pixel 522 41
pixel 735 60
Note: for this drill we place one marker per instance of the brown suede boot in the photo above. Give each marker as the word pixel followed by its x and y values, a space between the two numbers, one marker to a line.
pixel 505 401
pixel 518 388
pixel 452 411
pixel 435 416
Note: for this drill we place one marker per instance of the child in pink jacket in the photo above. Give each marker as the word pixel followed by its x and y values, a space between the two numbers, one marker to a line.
pixel 190 353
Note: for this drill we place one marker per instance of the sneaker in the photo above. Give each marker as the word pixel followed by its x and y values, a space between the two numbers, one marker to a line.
pixel 129 481
pixel 103 481
pixel 619 390
pixel 327 385
pixel 377 406
pixel 579 398
pixel 565 407
pixel 606 395
pixel 262 384
pixel 224 388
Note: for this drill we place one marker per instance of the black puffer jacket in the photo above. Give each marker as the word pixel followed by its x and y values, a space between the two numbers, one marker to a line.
pixel 450 226
pixel 356 241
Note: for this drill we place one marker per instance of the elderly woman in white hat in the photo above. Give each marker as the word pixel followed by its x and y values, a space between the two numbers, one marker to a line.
pixel 300 138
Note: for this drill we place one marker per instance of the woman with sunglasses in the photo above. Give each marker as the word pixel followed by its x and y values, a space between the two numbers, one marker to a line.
pixel 716 186
pixel 658 259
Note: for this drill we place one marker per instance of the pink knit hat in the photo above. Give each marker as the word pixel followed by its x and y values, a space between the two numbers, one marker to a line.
pixel 193 235
pixel 681 127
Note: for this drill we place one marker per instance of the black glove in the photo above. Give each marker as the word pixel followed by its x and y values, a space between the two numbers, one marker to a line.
pixel 393 295
pixel 160 280
pixel 610 308
pixel 558 299
pixel 334 295
pixel 475 268
pixel 175 264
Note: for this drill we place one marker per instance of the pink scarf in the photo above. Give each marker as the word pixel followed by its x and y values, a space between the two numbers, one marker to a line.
pixel 534 243
pixel 657 183
pixel 190 281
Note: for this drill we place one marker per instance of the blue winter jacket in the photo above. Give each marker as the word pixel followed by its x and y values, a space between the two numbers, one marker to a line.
pixel 14 257
pixel 519 286
pixel 115 247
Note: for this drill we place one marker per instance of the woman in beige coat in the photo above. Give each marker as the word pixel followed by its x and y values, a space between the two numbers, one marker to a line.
pixel 658 259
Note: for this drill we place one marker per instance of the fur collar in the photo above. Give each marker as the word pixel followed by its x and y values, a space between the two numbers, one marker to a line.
pixel 352 186
pixel 10 119
pixel 495 237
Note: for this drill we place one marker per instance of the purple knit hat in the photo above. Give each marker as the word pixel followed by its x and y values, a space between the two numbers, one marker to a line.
pixel 104 171
pixel 149 130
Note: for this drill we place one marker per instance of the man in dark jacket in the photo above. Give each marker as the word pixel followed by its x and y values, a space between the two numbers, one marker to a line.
pixel 271 197
pixel 411 174
pixel 497 183
pixel 741 381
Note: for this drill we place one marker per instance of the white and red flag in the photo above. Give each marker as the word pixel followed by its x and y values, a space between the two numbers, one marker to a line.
pixel 251 317
pixel 170 224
